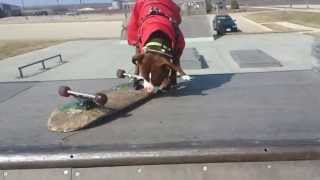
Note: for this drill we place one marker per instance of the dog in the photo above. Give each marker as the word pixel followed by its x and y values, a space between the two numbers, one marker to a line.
pixel 154 29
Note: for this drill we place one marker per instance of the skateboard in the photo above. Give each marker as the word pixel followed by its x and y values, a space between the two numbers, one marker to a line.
pixel 85 109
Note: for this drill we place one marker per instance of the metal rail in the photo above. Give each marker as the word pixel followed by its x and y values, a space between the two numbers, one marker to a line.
pixel 60 156
pixel 37 62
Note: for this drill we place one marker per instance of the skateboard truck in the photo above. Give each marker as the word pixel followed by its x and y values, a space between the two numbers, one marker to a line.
pixel 123 74
pixel 138 80
pixel 85 100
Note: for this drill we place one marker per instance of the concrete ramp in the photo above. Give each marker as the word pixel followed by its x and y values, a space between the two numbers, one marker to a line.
pixel 215 118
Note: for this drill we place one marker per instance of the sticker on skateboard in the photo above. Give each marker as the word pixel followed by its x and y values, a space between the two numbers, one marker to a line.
pixel 85 109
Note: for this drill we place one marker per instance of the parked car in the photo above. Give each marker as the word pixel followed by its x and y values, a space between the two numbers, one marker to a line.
pixel 41 13
pixel 223 24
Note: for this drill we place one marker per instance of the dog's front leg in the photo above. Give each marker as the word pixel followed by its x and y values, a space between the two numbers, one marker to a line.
pixel 173 78
pixel 136 83
pixel 183 75
pixel 136 71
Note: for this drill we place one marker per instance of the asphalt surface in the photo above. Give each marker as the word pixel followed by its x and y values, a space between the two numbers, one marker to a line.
pixel 253 106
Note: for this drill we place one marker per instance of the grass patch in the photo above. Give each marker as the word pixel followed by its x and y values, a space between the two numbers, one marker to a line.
pixel 311 19
pixel 10 48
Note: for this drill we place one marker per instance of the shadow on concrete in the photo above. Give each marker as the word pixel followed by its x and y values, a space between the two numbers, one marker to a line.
pixel 120 114
pixel 203 62
pixel 218 36
pixel 197 86
pixel 200 84
pixel 192 59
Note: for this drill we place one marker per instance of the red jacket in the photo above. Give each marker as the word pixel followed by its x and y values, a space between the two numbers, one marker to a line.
pixel 141 24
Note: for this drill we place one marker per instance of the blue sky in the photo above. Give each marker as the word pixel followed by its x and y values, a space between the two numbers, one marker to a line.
pixel 50 2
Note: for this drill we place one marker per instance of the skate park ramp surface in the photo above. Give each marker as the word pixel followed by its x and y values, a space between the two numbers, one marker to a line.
pixel 213 118
pixel 97 59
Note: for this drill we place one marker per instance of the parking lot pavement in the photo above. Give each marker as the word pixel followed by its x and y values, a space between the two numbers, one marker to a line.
pixel 244 25
pixel 91 59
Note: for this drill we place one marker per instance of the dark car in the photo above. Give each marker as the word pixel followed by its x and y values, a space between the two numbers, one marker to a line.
pixel 224 23
pixel 41 13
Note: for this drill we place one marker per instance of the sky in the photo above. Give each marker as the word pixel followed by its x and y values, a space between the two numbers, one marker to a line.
pixel 50 2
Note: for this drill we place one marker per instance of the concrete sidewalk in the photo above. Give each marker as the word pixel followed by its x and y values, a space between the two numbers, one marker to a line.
pixel 92 59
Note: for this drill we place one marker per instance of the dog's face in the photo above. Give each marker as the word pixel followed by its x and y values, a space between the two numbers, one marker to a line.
pixel 154 67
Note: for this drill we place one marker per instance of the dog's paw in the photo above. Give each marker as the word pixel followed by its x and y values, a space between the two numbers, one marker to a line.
pixel 148 86
pixel 186 77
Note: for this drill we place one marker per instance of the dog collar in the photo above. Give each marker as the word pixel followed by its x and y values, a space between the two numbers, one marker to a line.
pixel 164 50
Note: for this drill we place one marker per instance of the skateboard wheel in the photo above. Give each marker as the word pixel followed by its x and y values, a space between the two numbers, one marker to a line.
pixel 63 91
pixel 120 73
pixel 101 99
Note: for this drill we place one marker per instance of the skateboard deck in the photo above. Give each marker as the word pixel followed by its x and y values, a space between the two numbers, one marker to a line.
pixel 72 115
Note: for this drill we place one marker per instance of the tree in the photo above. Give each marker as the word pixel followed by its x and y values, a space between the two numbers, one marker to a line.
pixel 234 4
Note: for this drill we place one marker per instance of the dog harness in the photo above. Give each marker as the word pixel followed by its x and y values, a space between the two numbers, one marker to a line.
pixel 149 16
pixel 158 48
pixel 154 11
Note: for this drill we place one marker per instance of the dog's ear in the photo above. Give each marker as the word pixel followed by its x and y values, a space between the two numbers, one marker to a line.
pixel 137 58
